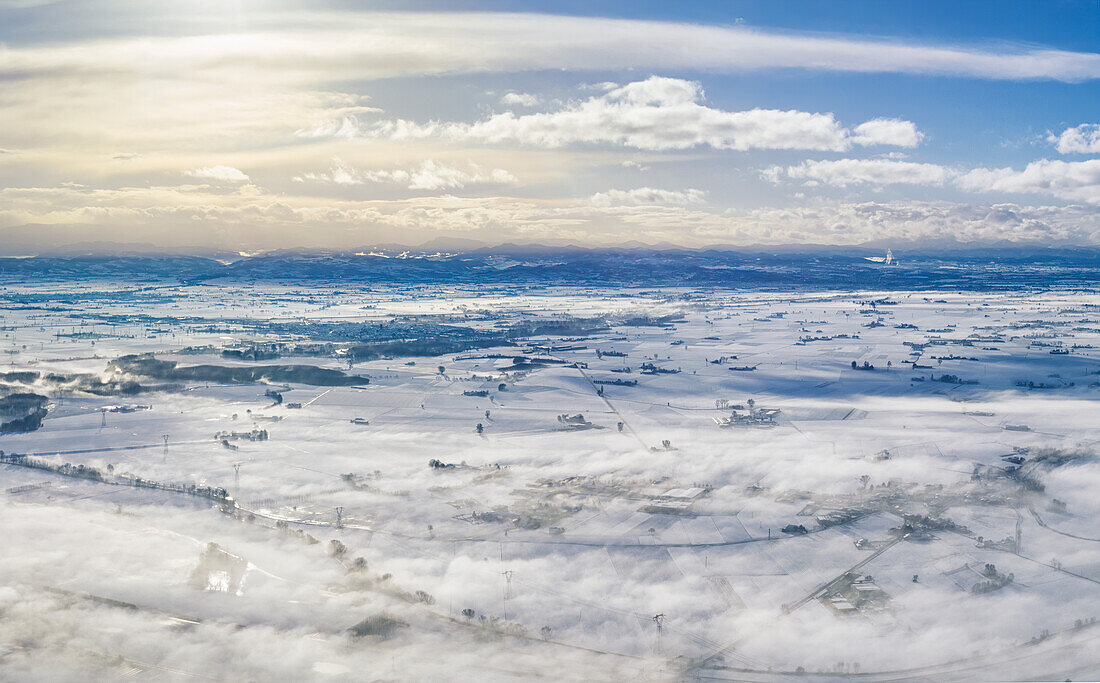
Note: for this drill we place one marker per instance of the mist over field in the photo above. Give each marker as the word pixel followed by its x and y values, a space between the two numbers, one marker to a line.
pixel 288 479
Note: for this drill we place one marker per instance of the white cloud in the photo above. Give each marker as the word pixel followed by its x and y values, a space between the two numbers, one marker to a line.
pixel 1077 181
pixel 225 174
pixel 314 46
pixel 1071 180
pixel 1082 139
pixel 655 114
pixel 177 216
pixel 844 172
pixel 431 175
pixel 644 196
pixel 340 173
pixel 772 174
pixel 520 99
pixel 204 88
pixel 428 175
pixel 895 132
pixel 77 97
pixel 853 223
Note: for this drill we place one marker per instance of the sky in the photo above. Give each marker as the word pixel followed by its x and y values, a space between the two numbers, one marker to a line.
pixel 255 125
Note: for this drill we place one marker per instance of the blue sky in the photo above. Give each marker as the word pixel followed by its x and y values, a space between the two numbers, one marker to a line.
pixel 259 125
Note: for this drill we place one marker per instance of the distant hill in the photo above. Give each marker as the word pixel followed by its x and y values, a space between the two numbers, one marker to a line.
pixel 996 267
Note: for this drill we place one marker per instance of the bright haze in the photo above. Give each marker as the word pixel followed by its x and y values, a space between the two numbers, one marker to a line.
pixel 251 125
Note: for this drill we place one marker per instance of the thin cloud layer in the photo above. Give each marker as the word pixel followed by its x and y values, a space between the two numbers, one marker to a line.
pixel 648 196
pixel 845 172
pixel 226 174
pixel 203 216
pixel 338 45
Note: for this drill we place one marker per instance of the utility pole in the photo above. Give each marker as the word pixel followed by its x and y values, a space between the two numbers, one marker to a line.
pixel 165 448
pixel 237 478
pixel 103 420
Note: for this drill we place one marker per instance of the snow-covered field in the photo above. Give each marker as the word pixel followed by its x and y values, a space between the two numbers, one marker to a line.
pixel 932 457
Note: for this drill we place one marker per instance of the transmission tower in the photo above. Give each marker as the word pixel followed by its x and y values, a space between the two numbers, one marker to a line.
pixel 507 590
pixel 659 619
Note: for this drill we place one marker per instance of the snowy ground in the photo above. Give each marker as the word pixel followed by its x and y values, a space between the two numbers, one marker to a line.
pixel 549 550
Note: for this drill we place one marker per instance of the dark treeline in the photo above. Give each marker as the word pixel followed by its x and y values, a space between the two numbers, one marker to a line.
pixel 149 366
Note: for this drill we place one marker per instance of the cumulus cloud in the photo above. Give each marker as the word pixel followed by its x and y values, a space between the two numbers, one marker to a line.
pixel 428 175
pixel 656 114
pixel 1070 180
pixel 845 172
pixel 895 132
pixel 1082 139
pixel 648 196
pixel 225 174
pixel 521 99
pixel 1077 181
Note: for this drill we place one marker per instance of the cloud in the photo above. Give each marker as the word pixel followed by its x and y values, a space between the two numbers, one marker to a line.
pixel 857 222
pixel 647 196
pixel 894 132
pixel 845 172
pixel 521 99
pixel 1076 181
pixel 149 91
pixel 181 88
pixel 428 175
pixel 319 46
pixel 656 114
pixel 225 174
pixel 1082 139
pixel 207 216
pixel 1070 180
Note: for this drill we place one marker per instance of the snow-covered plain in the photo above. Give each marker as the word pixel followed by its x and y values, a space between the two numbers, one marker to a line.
pixel 644 543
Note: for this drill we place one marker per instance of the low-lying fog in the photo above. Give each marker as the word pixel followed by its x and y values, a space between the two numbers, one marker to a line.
pixel 321 484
